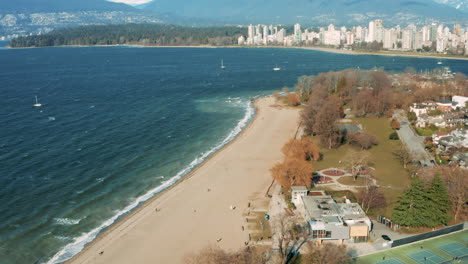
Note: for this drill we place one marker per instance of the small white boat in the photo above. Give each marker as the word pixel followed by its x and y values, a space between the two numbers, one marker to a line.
pixel 277 68
pixel 222 65
pixel 37 104
pixel 439 62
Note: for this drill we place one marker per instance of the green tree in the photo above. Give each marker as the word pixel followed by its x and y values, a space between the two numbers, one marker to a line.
pixel 413 208
pixel 439 200
pixel 412 116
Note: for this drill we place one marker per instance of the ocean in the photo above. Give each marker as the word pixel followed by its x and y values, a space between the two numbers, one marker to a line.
pixel 119 124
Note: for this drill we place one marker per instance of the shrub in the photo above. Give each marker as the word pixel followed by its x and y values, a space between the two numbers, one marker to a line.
pixel 393 136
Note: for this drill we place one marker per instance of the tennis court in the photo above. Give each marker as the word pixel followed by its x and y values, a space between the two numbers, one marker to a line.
pixel 455 249
pixel 391 261
pixel 426 257
pixel 435 250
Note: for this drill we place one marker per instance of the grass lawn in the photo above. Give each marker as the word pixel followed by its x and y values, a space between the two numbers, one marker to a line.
pixel 432 245
pixel 349 180
pixel 388 170
pixel 425 132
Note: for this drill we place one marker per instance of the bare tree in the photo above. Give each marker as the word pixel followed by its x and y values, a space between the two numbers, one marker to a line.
pixel 371 197
pixel 326 254
pixel 288 235
pixel 215 255
pixel 363 140
pixel 325 124
pixel 403 155
pixel 357 161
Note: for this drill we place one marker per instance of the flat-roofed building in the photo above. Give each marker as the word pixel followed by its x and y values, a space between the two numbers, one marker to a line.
pixel 329 220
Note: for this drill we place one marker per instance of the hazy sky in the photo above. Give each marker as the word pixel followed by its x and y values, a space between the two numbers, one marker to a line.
pixel 131 2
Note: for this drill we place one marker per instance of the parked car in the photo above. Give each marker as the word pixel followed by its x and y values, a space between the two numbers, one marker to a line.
pixel 386 237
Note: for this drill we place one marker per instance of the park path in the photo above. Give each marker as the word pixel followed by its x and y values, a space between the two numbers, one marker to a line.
pixel 412 141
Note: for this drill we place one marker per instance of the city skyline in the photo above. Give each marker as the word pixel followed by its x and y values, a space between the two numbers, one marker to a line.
pixel 438 37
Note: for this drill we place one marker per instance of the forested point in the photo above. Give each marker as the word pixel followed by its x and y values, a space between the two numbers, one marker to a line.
pixel 133 34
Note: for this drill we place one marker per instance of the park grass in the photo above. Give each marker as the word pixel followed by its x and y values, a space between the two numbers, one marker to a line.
pixel 389 172
pixel 349 180
pixel 403 251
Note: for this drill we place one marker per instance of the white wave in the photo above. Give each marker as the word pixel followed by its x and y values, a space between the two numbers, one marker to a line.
pixel 62 238
pixel 67 221
pixel 73 248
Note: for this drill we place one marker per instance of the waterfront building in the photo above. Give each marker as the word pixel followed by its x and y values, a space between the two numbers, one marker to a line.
pixel 407 39
pixel 297 33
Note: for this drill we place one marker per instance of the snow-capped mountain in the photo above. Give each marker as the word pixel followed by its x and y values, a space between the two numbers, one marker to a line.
pixel 458 4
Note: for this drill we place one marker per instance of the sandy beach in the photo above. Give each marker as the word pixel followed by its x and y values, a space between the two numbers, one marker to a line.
pixel 196 212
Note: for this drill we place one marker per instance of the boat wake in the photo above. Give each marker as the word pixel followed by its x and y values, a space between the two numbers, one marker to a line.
pixel 79 243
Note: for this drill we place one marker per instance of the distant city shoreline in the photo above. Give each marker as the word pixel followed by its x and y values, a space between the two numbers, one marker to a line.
pixel 316 48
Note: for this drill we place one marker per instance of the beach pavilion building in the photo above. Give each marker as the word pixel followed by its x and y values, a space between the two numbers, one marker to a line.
pixel 329 220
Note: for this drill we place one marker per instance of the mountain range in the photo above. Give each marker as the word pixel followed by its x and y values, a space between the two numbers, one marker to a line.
pixel 51 6
pixel 322 12
pixel 458 4
pixel 25 17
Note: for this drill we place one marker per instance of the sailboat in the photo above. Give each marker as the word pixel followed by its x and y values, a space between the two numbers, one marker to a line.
pixel 37 104
pixel 222 65
pixel 276 68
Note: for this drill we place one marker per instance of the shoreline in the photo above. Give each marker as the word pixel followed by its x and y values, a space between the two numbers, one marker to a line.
pixel 323 49
pixel 135 211
pixel 129 224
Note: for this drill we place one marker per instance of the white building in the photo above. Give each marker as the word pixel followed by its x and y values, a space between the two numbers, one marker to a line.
pixel 407 39
pixel 459 100
pixel 332 37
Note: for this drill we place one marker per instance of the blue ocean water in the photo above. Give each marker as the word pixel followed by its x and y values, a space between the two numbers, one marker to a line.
pixel 118 124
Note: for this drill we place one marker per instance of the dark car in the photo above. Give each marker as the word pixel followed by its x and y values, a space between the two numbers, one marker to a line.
pixel 386 237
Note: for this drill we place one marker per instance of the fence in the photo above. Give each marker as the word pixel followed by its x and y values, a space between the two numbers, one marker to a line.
pixel 427 235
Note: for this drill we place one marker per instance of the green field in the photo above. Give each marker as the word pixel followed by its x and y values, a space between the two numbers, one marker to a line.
pixel 435 250
pixel 388 170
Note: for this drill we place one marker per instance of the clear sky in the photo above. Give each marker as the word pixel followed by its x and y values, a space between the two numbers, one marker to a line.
pixel 131 2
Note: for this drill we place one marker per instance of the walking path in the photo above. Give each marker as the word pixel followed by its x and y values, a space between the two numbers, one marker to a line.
pixel 412 141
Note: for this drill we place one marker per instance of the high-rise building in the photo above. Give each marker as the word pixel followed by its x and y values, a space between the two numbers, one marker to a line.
pixel 426 34
pixel 418 39
pixel 349 38
pixel 332 36
pixel 378 30
pixel 359 35
pixel 297 33
pixel 407 39
pixel 389 41
pixel 371 32
pixel 251 32
pixel 441 45
pixel 433 36
pixel 265 35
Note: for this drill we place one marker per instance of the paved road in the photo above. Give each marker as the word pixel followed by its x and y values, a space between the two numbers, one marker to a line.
pixel 413 142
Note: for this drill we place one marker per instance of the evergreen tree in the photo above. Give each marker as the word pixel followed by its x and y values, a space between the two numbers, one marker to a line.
pixel 439 200
pixel 413 208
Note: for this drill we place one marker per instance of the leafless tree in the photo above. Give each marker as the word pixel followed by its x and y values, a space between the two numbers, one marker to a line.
pixel 371 197
pixel 357 161
pixel 326 254
pixel 403 155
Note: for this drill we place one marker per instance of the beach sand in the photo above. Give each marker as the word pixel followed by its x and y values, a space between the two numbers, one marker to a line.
pixel 190 216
